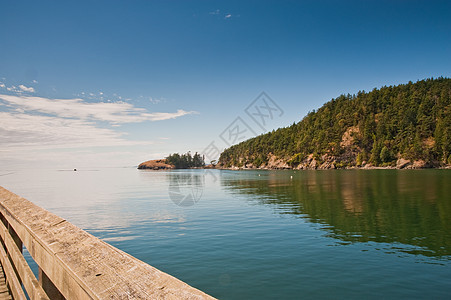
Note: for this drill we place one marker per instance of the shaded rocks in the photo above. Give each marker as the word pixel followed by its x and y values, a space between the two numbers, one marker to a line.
pixel 402 163
pixel 308 163
pixel 276 163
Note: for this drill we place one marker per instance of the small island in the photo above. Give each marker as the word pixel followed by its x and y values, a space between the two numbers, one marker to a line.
pixel 175 161
pixel 156 164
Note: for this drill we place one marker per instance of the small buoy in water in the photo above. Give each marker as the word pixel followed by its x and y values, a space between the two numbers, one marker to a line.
pixel 258 174
pixel 75 169
pixel 291 177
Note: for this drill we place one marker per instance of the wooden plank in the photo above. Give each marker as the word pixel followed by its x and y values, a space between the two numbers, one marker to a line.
pixel 11 277
pixel 31 284
pixel 80 265
pixel 4 291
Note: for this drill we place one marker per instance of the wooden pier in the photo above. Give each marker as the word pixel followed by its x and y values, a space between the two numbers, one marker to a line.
pixel 4 290
pixel 73 264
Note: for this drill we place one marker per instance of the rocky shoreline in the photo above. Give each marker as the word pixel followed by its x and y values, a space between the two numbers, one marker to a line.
pixel 329 162
pixel 310 163
pixel 161 164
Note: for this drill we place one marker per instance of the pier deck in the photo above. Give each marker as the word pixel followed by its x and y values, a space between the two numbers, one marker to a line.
pixel 4 291
pixel 72 263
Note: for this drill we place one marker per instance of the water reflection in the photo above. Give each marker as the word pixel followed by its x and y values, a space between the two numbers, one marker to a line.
pixel 384 206
pixel 186 187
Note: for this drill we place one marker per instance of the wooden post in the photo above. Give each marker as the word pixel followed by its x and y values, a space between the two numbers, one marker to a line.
pixel 19 245
pixel 48 286
pixel 16 238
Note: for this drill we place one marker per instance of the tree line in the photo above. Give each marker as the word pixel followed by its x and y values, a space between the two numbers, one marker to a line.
pixel 185 161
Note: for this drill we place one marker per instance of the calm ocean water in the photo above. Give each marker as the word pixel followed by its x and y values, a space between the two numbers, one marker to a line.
pixel 266 234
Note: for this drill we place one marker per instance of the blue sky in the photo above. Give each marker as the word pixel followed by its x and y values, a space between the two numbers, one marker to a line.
pixel 114 83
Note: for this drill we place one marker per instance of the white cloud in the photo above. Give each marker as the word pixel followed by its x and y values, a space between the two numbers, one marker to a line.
pixel 26 89
pixel 112 112
pixel 228 16
pixel 35 81
pixel 18 89
pixel 166 116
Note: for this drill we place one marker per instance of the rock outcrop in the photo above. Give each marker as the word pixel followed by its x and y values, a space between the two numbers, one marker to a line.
pixel 157 164
pixel 275 163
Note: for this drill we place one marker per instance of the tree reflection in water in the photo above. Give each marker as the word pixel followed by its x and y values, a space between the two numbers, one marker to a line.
pixel 411 207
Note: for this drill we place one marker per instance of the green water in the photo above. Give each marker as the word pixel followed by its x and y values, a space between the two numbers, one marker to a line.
pixel 267 234
pixel 385 206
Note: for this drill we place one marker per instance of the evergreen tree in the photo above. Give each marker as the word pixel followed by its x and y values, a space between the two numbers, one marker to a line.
pixel 386 155
pixel 186 161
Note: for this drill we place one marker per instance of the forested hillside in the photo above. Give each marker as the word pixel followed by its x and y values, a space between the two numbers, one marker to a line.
pixel 408 125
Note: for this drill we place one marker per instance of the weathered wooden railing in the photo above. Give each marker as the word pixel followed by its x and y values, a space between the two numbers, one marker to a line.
pixel 73 264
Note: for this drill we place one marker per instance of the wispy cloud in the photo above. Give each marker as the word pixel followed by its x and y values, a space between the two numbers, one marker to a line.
pixel 216 12
pixel 113 112
pixel 159 116
pixel 227 16
pixel 43 123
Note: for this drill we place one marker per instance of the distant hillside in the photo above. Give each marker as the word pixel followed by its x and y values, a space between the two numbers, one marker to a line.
pixel 404 126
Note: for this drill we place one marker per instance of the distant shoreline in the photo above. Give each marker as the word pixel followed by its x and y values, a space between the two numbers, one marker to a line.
pixel 325 169
pixel 330 163
pixel 160 164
